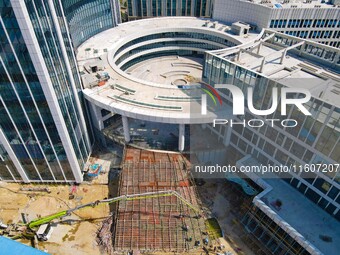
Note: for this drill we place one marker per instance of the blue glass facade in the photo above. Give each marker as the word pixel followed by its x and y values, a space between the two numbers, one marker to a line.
pixel 7 169
pixel 158 8
pixel 89 17
pixel 56 65
pixel 25 117
pixel 40 140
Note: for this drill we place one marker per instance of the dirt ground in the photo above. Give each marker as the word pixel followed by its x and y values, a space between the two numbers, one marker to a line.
pixel 73 235
pixel 76 234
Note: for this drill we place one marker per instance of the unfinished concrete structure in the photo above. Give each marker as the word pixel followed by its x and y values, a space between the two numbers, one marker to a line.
pixel 162 223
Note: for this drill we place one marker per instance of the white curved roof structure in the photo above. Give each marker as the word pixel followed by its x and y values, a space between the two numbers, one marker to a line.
pixel 130 44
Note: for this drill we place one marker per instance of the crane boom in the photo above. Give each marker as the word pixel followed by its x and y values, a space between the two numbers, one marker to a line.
pixel 43 220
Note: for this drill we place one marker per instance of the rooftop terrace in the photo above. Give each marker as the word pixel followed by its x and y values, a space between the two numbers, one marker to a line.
pixel 292 62
pixel 108 39
pixel 154 89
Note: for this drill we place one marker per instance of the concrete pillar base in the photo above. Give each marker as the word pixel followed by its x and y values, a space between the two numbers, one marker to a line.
pixel 126 129
pixel 181 137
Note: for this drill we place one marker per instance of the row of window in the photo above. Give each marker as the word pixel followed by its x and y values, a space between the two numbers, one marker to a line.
pixel 165 35
pixel 304 23
pixel 160 54
pixel 309 48
pixel 261 154
pixel 324 34
pixel 87 18
pixel 203 46
pixel 154 8
pixel 333 44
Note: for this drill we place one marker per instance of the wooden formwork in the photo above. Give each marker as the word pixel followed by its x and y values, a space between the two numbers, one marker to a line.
pixel 156 224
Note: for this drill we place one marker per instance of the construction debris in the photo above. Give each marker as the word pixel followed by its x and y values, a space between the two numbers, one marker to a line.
pixel 104 236
pixel 36 189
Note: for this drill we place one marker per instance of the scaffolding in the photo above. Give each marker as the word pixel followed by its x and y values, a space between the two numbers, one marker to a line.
pixel 157 224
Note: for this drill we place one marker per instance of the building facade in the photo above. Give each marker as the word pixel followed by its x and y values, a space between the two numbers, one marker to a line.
pixel 313 20
pixel 140 9
pixel 44 136
pixel 279 218
pixel 87 18
pixel 315 139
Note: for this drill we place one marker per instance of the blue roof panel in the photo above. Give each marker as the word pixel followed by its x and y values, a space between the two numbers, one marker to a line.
pixel 11 247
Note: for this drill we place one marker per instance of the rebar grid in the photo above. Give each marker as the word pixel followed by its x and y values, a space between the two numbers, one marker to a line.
pixel 156 224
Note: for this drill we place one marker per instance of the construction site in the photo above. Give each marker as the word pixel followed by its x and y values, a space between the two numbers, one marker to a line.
pixel 149 205
pixel 163 223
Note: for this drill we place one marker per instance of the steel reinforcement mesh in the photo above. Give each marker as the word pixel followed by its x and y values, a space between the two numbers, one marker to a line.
pixel 156 224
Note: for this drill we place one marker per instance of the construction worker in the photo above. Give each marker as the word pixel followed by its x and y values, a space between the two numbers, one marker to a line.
pixel 206 241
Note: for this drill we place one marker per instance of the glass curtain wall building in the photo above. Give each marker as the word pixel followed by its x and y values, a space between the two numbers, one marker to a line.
pixel 89 17
pixel 315 139
pixel 43 132
pixel 158 8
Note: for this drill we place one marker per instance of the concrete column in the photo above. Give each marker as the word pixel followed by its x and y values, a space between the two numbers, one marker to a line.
pixel 262 64
pixel 181 137
pixel 126 129
pixel 96 117
pixel 239 55
pixel 259 48
pixel 283 56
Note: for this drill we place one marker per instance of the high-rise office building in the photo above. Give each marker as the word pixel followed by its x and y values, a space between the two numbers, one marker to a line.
pixel 43 131
pixel 313 20
pixel 159 8
pixel 87 18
